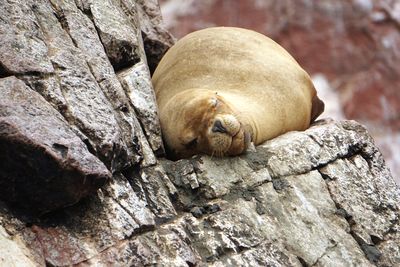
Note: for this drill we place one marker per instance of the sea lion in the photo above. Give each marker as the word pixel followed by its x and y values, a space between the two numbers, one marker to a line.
pixel 219 89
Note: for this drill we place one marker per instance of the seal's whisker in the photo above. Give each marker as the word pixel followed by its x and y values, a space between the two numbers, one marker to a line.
pixel 237 113
pixel 212 154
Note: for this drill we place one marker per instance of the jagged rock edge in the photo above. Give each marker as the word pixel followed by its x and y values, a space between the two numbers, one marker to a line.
pixel 351 152
pixel 59 15
pixel 126 11
pixel 44 75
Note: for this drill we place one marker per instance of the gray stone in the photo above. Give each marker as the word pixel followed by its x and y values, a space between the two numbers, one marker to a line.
pixel 155 188
pixel 166 246
pixel 182 173
pixel 136 81
pixel 371 203
pixel 22 46
pixel 157 40
pixel 85 36
pixel 82 83
pixel 120 40
pixel 317 146
pixel 117 26
pixel 24 52
pixel 81 232
pixel 14 253
pixel 301 211
pixel 87 107
pixel 43 164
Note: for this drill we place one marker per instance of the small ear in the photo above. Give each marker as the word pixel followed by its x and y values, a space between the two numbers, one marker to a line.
pixel 191 144
pixel 187 137
pixel 214 102
pixel 317 108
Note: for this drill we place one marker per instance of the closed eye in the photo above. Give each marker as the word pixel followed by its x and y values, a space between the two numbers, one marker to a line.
pixel 191 144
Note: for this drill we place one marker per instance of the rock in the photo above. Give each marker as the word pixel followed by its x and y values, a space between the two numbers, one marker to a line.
pixel 157 40
pixel 67 63
pixel 286 197
pixel 121 40
pixel 44 165
pixel 166 246
pixel 319 197
pixel 137 83
pixel 22 48
pixel 368 200
pixel 53 141
pixel 86 106
pixel 85 36
pixel 118 29
pixel 78 78
pixel 104 220
pixel 12 253
pixel 155 188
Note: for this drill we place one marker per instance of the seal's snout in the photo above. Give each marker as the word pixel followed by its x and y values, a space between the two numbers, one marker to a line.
pixel 227 136
pixel 225 124
pixel 218 127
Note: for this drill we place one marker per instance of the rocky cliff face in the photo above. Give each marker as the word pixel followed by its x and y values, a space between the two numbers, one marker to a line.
pixel 83 181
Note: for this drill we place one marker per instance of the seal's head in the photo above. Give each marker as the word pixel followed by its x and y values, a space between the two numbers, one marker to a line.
pixel 204 123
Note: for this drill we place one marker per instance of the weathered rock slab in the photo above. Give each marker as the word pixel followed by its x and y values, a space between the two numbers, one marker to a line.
pixel 337 209
pixel 43 164
pixel 295 193
pixel 121 41
pixel 22 48
pixel 156 39
pixel 69 52
pixel 136 81
pixel 86 105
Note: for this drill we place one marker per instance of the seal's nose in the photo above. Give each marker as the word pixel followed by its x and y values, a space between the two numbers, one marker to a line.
pixel 218 127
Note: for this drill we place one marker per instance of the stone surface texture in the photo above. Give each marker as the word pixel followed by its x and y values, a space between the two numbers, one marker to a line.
pixel 83 181
pixel 355 44
pixel 43 163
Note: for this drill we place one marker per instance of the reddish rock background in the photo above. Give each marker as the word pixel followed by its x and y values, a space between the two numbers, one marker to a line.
pixel 354 44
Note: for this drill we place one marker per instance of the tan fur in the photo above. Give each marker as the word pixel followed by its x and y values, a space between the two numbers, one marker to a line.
pixel 241 77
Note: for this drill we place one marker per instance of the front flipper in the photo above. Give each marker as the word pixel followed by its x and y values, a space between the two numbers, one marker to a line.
pixel 318 107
